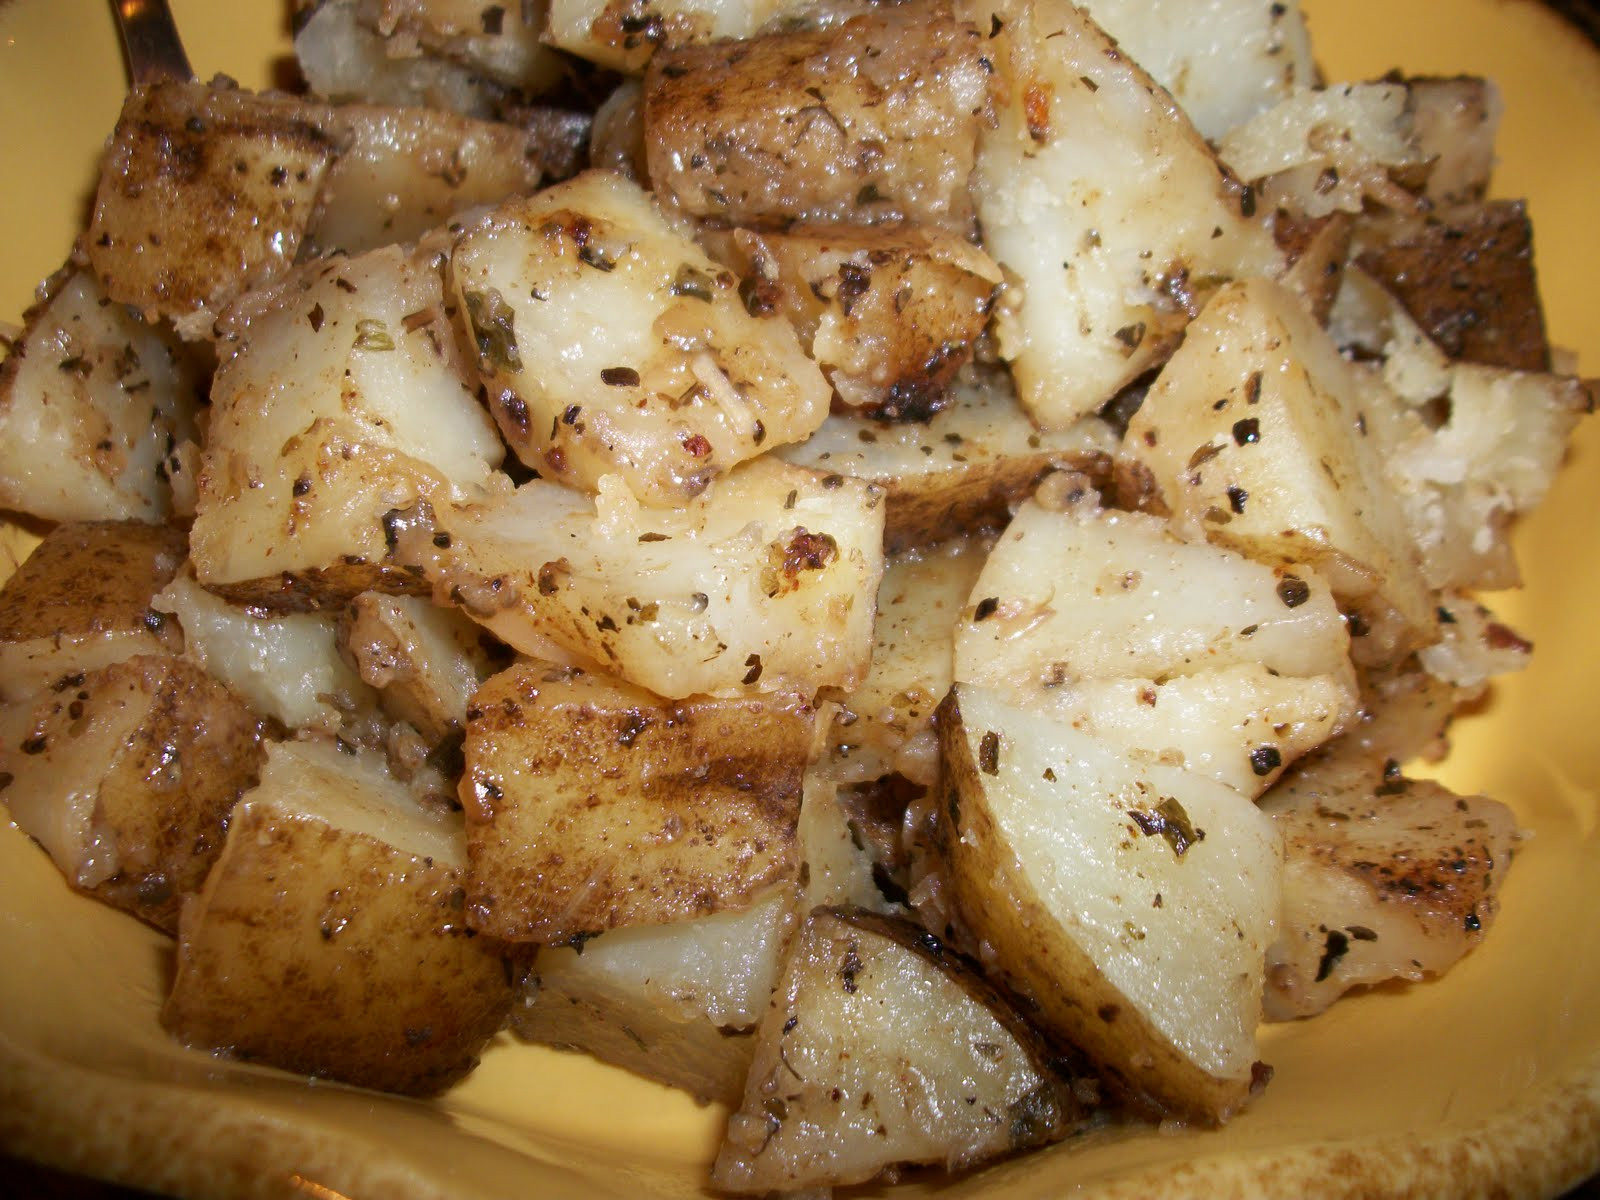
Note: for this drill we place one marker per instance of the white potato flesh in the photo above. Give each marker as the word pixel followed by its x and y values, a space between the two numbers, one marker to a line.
pixel 623 37
pixel 1384 878
pixel 1473 646
pixel 92 401
pixel 499 41
pixel 342 400
pixel 1328 150
pixel 1254 434
pixel 878 1051
pixel 1240 725
pixel 1106 206
pixel 1097 594
pixel 1086 882
pixel 1222 60
pixel 887 722
pixel 287 667
pixel 767 580
pixel 838 870
pixel 612 345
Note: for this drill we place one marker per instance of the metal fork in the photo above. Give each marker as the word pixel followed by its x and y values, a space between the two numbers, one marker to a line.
pixel 151 42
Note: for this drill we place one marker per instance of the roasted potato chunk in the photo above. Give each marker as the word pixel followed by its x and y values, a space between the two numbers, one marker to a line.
pixel 764 582
pixel 342 403
pixel 882 1048
pixel 1253 432
pixel 1131 903
pixel 873 120
pixel 82 600
pixel 1384 878
pixel 1112 215
pixel 610 344
pixel 963 470
pixel 592 804
pixel 889 314
pixel 126 775
pixel 92 403
pixel 330 937
pixel 205 191
pixel 623 34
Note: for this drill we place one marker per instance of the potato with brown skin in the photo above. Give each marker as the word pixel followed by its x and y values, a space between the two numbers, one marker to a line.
pixel 81 601
pixel 882 1048
pixel 330 938
pixel 177 230
pixel 875 120
pixel 1131 904
pixel 592 804
pixel 963 470
pixel 889 313
pixel 127 775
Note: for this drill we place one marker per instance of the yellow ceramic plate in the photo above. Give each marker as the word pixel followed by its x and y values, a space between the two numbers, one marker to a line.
pixel 1487 1082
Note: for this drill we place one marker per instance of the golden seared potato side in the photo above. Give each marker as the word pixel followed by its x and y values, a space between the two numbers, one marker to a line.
pixel 889 313
pixel 961 471
pixel 592 804
pixel 882 1048
pixel 1253 435
pixel 126 774
pixel 1384 878
pixel 764 582
pixel 331 939
pixel 611 344
pixel 92 403
pixel 1110 212
pixel 341 403
pixel 82 600
pixel 672 1002
pixel 1130 903
pixel 872 120
pixel 205 191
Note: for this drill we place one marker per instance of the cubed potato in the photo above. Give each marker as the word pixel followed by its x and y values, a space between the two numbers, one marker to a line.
pixel 623 34
pixel 592 804
pixel 886 724
pixel 1455 121
pixel 82 600
pixel 288 667
pixel 889 313
pixel 342 402
pixel 404 170
pixel 1254 434
pixel 92 402
pixel 963 470
pixel 882 1048
pixel 1467 279
pixel 610 344
pixel 500 41
pixel 873 120
pixel 1473 646
pixel 205 191
pixel 1385 878
pixel 671 1002
pixel 1317 250
pixel 426 662
pixel 330 938
pixel 1112 215
pixel 1223 60
pixel 126 774
pixel 766 581
pixel 1131 903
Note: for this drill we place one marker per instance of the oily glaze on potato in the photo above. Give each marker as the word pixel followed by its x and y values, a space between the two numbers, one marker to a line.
pixel 880 1049
pixel 82 600
pixel 126 774
pixel 592 804
pixel 1131 904
pixel 331 939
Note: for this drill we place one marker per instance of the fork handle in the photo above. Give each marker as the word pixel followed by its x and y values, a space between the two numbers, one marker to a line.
pixel 151 42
